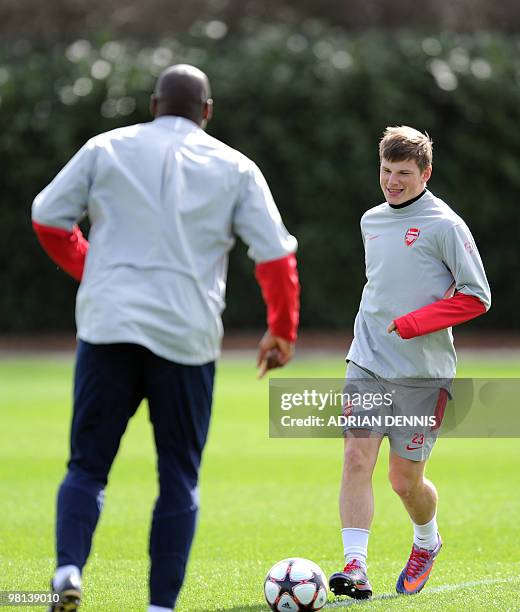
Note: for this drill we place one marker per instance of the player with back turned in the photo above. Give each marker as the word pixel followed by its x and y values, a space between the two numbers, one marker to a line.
pixel 424 275
pixel 164 200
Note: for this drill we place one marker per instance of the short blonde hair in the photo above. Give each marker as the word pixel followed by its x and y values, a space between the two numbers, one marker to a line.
pixel 404 142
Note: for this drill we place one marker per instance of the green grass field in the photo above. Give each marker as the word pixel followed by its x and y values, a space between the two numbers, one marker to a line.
pixel 261 500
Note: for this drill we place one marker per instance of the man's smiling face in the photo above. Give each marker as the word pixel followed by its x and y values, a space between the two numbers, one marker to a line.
pixel 402 180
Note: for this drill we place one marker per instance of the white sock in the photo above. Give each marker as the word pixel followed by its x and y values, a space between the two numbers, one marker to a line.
pixel 62 573
pixel 355 545
pixel 426 536
pixel 158 609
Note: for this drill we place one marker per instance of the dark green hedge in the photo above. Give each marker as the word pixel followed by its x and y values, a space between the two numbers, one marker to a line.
pixel 309 108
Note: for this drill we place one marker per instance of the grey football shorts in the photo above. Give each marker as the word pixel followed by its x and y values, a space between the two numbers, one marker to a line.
pixel 410 416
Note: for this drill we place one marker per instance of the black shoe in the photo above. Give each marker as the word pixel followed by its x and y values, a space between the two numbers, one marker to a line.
pixel 352 581
pixel 69 595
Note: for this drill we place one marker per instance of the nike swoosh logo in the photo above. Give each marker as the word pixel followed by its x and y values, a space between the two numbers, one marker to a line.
pixel 410 586
pixel 408 447
pixel 373 237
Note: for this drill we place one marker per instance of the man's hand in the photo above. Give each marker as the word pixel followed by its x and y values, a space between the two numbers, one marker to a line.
pixel 273 352
pixel 393 327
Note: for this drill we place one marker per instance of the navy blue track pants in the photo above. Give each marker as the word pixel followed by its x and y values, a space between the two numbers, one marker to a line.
pixel 110 382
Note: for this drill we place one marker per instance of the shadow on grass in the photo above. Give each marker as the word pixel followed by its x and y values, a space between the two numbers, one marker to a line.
pixel 251 608
pixel 336 603
pixel 347 602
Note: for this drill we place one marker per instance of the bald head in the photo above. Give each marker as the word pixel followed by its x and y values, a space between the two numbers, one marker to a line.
pixel 183 90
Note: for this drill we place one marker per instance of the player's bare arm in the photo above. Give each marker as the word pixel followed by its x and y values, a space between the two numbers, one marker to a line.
pixel 273 352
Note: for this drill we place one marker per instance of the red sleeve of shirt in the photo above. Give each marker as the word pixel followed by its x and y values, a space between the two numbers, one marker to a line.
pixel 67 249
pixel 278 280
pixel 439 315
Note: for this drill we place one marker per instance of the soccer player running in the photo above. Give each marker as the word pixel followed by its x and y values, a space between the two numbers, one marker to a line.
pixel 424 275
pixel 164 200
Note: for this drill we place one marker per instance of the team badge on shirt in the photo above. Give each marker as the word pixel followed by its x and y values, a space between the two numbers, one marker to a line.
pixel 412 233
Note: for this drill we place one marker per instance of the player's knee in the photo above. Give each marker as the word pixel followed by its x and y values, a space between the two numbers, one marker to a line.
pixel 404 484
pixel 356 462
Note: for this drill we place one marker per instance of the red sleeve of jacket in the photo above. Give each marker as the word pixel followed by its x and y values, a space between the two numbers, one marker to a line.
pixel 439 315
pixel 278 280
pixel 67 249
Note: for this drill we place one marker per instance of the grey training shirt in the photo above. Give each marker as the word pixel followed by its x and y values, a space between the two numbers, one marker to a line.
pixel 164 200
pixel 414 256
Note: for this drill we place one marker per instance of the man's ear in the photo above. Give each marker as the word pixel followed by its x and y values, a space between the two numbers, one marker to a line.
pixel 207 111
pixel 427 174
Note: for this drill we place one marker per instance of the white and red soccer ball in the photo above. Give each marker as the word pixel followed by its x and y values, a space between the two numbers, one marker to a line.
pixel 295 585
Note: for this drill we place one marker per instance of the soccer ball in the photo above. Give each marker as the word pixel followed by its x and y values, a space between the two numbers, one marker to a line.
pixel 295 585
